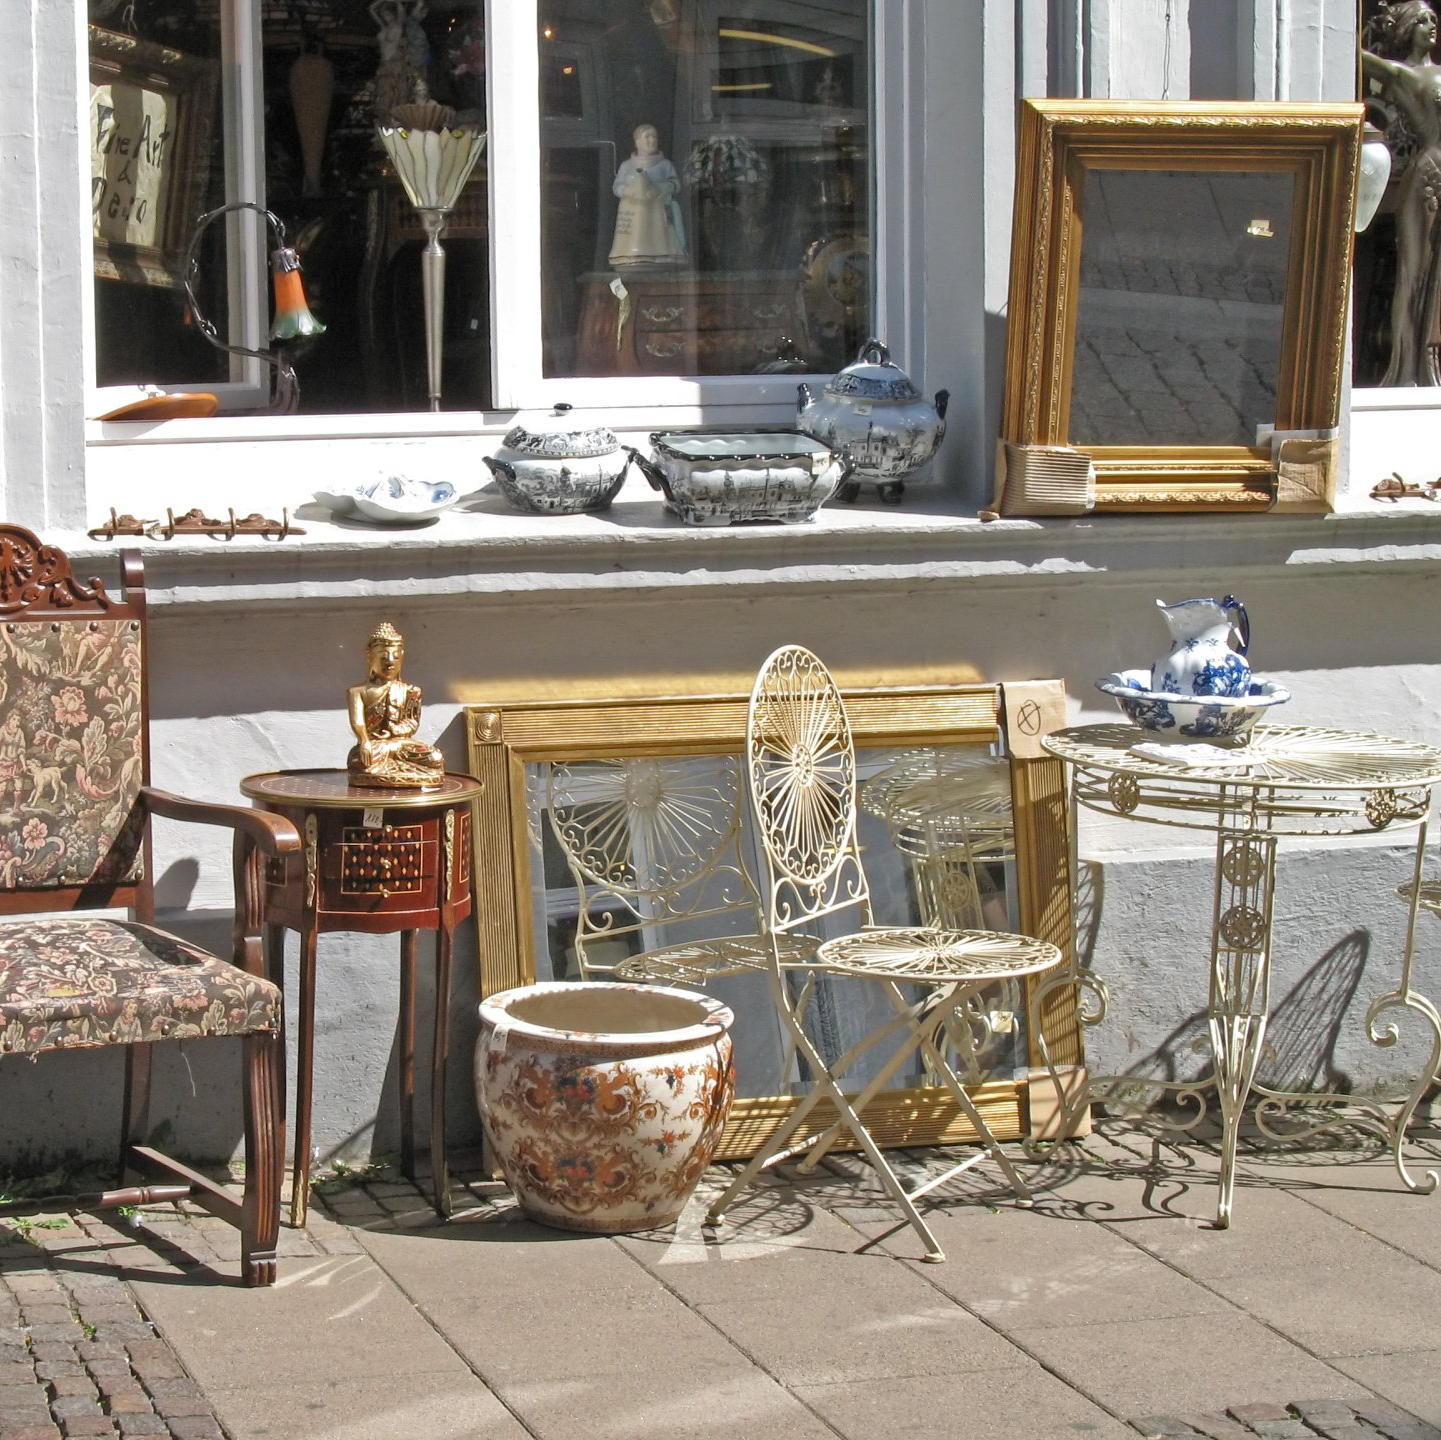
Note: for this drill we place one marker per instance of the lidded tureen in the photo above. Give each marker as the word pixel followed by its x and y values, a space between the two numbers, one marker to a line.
pixel 874 414
pixel 554 463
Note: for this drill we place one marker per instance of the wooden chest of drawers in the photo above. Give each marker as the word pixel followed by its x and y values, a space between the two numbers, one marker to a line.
pixel 681 323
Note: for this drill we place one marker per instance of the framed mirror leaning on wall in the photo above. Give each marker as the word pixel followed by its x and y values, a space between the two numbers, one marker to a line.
pixel 594 808
pixel 1179 283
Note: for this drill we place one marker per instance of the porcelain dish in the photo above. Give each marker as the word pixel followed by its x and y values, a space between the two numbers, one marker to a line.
pixel 556 463
pixel 392 499
pixel 1203 717
pixel 724 479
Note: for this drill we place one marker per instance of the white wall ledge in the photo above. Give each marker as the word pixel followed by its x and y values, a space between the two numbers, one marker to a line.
pixel 636 548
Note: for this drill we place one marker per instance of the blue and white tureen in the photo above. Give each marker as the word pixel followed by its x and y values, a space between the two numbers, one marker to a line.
pixel 875 416
pixel 556 463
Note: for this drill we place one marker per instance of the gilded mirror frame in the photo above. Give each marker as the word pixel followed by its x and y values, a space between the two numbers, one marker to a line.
pixel 1317 144
pixel 503 739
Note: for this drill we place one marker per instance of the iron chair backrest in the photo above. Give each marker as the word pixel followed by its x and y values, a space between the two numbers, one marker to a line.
pixel 801 776
pixel 74 747
pixel 654 848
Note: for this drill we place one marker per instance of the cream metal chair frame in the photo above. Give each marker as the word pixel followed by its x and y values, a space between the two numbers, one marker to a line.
pixel 654 847
pixel 801 779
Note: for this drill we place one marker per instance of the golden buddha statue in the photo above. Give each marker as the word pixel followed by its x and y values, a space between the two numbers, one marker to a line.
pixel 385 714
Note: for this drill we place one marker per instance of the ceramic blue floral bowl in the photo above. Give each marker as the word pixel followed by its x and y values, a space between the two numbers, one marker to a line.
pixel 1199 717
pixel 391 499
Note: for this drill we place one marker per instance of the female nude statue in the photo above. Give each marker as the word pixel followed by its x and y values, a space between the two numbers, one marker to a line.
pixel 1398 59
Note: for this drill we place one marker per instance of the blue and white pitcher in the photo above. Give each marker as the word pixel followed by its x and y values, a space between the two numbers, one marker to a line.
pixel 1209 640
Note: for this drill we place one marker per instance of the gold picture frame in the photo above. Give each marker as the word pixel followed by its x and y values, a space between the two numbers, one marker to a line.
pixel 1280 271
pixel 151 113
pixel 503 740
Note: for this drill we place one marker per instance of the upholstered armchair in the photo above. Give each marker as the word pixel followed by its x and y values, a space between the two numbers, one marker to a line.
pixel 75 805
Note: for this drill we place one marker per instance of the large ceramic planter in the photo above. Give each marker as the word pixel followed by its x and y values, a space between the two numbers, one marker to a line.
pixel 603 1102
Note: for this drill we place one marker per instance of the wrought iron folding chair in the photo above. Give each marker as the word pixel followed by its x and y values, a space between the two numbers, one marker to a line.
pixel 654 848
pixel 801 777
pixel 74 821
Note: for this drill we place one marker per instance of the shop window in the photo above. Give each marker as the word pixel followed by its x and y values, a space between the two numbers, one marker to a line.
pixel 704 195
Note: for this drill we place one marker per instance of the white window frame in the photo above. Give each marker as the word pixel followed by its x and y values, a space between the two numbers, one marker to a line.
pixel 241 104
pixel 513 156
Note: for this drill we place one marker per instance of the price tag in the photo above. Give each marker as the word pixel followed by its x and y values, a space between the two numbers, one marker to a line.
pixel 372 817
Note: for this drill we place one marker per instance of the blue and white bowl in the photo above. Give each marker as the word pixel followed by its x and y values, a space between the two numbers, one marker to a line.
pixel 1198 717
pixel 392 499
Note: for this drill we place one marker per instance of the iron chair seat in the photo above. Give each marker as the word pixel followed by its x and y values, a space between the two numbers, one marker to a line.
pixel 702 961
pixel 935 957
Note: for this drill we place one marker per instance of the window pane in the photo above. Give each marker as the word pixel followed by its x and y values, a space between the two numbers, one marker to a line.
pixel 155 164
pixel 328 67
pixel 706 183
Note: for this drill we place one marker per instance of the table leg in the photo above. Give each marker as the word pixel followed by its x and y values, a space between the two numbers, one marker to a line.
pixel 1239 1000
pixel 275 973
pixel 407 1053
pixel 439 1169
pixel 304 1079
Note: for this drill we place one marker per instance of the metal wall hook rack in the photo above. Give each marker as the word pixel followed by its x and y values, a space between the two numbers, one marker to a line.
pixel 196 522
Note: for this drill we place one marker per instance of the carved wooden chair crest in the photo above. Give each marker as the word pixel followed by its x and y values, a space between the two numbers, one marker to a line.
pixel 74 809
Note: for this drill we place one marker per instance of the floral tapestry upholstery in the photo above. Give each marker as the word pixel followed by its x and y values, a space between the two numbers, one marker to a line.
pixel 71 757
pixel 72 983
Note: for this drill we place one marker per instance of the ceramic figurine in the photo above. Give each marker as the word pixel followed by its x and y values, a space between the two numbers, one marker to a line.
pixel 385 714
pixel 874 414
pixel 648 226
pixel 1202 659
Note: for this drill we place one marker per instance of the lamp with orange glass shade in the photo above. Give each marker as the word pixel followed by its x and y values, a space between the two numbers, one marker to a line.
pixel 292 318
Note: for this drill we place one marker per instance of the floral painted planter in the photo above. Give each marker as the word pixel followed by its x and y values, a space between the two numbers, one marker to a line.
pixel 603 1102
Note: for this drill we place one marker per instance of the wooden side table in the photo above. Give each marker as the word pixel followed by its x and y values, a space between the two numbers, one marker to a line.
pixel 377 862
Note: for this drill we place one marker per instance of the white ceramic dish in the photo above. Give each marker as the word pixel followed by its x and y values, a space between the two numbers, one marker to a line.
pixel 392 499
pixel 722 479
pixel 1198 717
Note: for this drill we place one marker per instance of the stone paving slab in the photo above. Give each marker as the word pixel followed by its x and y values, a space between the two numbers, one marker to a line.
pixel 1111 1308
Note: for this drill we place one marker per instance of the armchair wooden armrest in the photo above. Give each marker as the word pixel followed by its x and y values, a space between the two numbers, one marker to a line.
pixel 272 834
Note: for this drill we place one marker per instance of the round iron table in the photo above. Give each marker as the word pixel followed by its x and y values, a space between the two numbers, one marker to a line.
pixel 1284 780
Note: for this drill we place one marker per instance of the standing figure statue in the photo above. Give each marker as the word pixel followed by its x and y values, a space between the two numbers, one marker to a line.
pixel 404 55
pixel 385 714
pixel 1400 42
pixel 648 225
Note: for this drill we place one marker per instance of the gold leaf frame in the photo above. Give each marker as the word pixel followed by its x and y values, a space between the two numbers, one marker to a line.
pixel 503 739
pixel 1318 144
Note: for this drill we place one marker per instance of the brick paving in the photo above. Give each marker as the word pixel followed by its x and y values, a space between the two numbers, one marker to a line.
pixel 1295 1420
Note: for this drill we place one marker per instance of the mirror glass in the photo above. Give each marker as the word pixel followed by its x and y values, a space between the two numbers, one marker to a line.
pixel 938 847
pixel 1180 307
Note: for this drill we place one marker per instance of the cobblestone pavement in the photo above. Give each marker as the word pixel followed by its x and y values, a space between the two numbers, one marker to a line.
pixel 80 1357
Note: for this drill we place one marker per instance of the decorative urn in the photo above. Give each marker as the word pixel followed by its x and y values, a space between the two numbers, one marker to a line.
pixel 603 1101
pixel 871 412
pixel 553 463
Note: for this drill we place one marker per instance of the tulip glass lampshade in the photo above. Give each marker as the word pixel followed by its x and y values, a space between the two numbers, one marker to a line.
pixel 432 161
pixel 1375 172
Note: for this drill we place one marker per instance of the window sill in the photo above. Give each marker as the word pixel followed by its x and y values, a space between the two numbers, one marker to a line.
pixel 483 546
